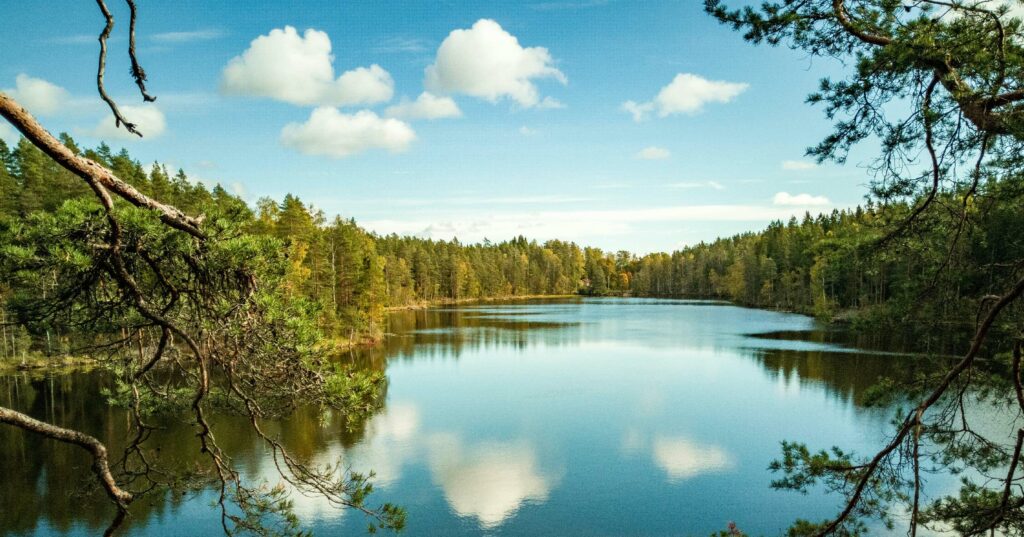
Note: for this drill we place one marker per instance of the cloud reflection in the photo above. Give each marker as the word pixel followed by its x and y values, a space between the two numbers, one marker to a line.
pixel 387 449
pixel 683 459
pixel 489 481
pixel 390 442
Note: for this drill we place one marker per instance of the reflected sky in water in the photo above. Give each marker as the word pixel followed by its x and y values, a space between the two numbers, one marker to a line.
pixel 568 417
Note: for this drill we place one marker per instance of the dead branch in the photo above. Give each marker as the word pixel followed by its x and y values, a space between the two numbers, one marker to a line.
pixel 100 465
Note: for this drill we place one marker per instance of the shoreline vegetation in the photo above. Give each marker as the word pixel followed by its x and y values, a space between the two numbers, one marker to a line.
pixel 483 300
pixel 49 364
pixel 148 269
pixel 37 362
pixel 826 265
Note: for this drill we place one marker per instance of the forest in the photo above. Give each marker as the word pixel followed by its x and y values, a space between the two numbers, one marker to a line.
pixel 204 304
pixel 830 265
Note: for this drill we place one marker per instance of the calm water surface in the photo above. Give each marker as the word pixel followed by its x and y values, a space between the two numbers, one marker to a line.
pixel 571 417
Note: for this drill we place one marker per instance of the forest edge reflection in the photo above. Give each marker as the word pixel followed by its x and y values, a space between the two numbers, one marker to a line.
pixel 487 481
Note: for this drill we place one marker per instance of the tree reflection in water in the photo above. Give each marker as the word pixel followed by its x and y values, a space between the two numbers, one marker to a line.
pixel 486 477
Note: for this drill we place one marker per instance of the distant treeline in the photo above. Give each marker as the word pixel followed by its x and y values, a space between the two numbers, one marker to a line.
pixel 826 265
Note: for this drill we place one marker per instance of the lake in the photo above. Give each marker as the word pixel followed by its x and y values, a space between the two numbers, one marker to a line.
pixel 554 417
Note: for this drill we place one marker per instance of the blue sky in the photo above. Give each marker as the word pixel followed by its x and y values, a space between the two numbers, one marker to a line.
pixel 542 146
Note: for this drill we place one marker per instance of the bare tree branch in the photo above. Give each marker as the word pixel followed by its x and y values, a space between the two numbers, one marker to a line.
pixel 100 465
pixel 138 73
pixel 104 35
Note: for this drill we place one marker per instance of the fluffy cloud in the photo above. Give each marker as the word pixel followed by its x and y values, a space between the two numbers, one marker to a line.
pixel 364 85
pixel 299 69
pixel 426 106
pixel 487 62
pixel 148 119
pixel 331 133
pixel 798 165
pixel 654 153
pixel 38 96
pixel 800 200
pixel 686 94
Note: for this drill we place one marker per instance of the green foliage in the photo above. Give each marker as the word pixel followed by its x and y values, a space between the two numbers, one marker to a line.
pixel 355 390
pixel 937 86
pixel 824 265
pixel 301 278
pixel 188 326
pixel 974 508
pixel 803 470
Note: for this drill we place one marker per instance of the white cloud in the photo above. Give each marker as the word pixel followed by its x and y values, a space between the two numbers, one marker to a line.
pixel 331 133
pixel 299 69
pixel 487 62
pixel 654 153
pixel 686 94
pixel 148 119
pixel 527 131
pixel 364 85
pixel 682 459
pixel 798 165
pixel 639 111
pixel 8 134
pixel 38 96
pixel 188 36
pixel 799 200
pixel 426 106
pixel 550 103
pixel 698 184
pixel 578 225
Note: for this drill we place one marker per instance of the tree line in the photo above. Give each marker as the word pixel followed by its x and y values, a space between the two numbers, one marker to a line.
pixel 828 265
